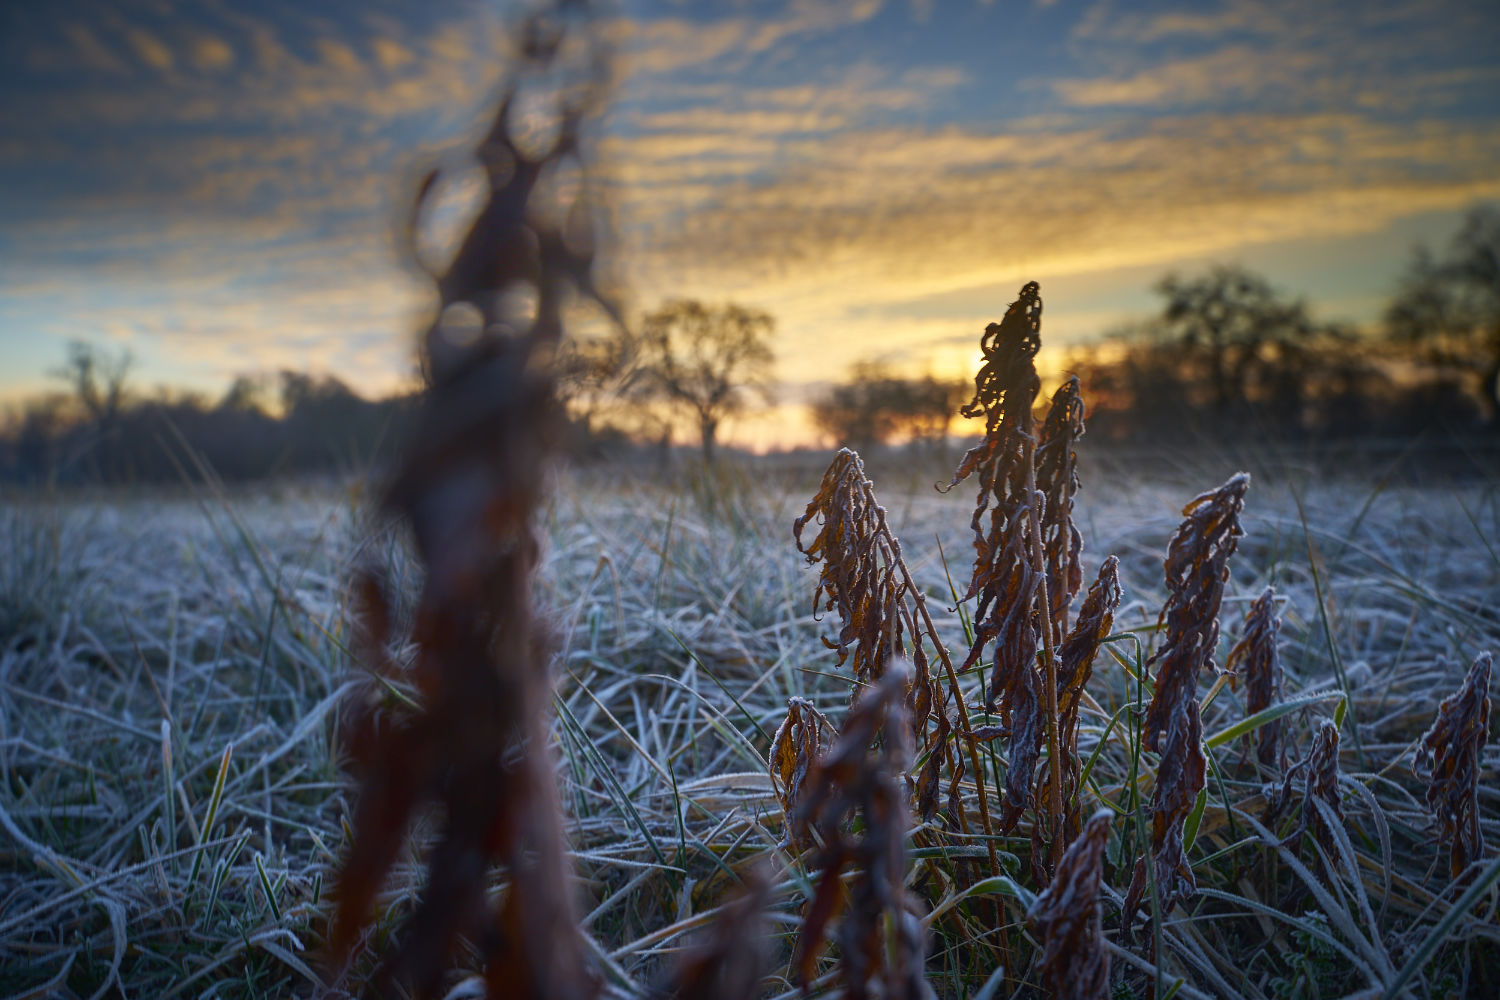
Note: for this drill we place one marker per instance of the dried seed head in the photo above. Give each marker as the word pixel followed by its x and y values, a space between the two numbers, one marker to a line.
pixel 1256 660
pixel 1197 567
pixel 1448 759
pixel 1057 478
pixel 1015 684
pixel 1066 917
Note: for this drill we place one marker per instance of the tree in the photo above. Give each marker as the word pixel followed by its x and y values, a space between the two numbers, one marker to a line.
pixel 703 361
pixel 97 379
pixel 1230 354
pixel 1448 308
pixel 876 405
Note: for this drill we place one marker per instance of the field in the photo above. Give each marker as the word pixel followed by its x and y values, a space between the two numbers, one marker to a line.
pixel 173 672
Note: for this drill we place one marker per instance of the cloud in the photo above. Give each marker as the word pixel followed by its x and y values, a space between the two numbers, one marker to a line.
pixel 233 206
pixel 1280 53
pixel 847 231
pixel 212 54
pixel 1237 71
pixel 659 46
pixel 150 49
pixel 92 53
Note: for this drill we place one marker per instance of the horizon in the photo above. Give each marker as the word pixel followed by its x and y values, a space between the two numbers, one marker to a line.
pixel 214 186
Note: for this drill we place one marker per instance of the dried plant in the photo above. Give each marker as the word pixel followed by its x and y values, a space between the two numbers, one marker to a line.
pixel 474 738
pixel 865 580
pixel 1004 391
pixel 803 736
pixel 1057 478
pixel 1197 567
pixel 1256 660
pixel 862 578
pixel 1096 619
pixel 1013 612
pixel 881 940
pixel 729 963
pixel 1066 917
pixel 1448 759
pixel 1320 783
pixel 942 755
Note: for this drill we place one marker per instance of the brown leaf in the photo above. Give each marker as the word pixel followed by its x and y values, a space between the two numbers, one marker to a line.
pixel 1067 919
pixel 1197 567
pixel 1448 759
pixel 1256 660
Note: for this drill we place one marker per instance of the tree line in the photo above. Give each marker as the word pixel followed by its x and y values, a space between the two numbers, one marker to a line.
pixel 97 430
pixel 1227 355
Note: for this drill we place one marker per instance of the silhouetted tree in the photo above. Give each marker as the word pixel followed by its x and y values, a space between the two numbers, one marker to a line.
pixel 704 361
pixel 1448 308
pixel 876 405
pixel 1238 328
pixel 97 379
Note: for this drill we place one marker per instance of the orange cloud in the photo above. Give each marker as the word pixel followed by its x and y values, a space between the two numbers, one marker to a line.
pixel 150 49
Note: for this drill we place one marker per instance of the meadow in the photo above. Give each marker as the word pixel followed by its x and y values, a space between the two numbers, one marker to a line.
pixel 174 669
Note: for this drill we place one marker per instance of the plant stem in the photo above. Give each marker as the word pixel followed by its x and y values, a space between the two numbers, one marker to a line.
pixel 1049 668
pixel 963 715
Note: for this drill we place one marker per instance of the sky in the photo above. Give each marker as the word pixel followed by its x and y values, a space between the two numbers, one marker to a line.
pixel 216 185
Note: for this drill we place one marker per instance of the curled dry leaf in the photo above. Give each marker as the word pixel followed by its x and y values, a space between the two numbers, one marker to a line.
pixel 862 578
pixel 1096 619
pixel 1057 479
pixel 803 736
pixel 1008 578
pixel 1068 921
pixel 473 740
pixel 863 777
pixel 1448 759
pixel 1319 771
pixel 1256 660
pixel 1197 567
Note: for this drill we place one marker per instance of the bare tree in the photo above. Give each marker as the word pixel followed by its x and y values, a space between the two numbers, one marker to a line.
pixel 1234 322
pixel 97 379
pixel 1448 308
pixel 704 361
